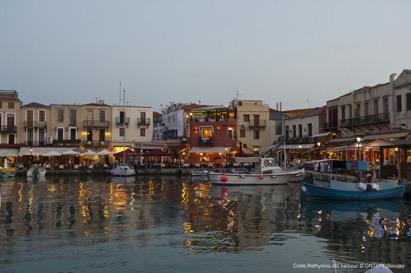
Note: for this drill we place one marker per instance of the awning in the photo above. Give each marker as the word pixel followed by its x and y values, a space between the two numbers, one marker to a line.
pixel 323 134
pixel 4 152
pixel 296 146
pixel 41 150
pixel 342 139
pixel 207 150
pixel 379 143
pixel 387 136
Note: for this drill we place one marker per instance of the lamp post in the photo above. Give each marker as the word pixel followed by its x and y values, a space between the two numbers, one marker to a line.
pixel 31 155
pixel 225 163
pixel 358 147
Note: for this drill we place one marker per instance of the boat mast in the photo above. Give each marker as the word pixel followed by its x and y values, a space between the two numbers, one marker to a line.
pixel 284 133
pixel 124 125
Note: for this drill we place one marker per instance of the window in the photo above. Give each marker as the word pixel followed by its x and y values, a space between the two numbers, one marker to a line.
pixel 42 116
pixel 73 117
pixel 256 150
pixel 30 117
pixel 89 135
pixel 206 132
pixel 246 118
pixel 122 132
pixel 310 129
pixel 142 132
pixel 73 134
pixel 12 139
pixel 122 117
pixel 256 120
pixel 256 134
pixel 102 134
pixel 242 132
pixel 10 105
pixel 240 103
pixel 294 131
pixel 30 136
pixel 287 132
pixel 357 110
pixel 366 108
pixel 230 133
pixel 102 115
pixel 408 101
pixel 350 111
pixel 343 112
pixel 375 107
pixel 60 133
pixel 385 104
pixel 399 103
pixel 42 136
pixel 300 130
pixel 143 116
pixel 60 115
pixel 278 129
pixel 11 121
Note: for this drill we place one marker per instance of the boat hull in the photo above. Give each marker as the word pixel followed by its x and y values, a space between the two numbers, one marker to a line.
pixel 321 192
pixel 253 179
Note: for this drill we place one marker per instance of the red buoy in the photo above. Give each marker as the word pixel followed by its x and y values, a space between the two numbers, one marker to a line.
pixel 261 177
pixel 223 178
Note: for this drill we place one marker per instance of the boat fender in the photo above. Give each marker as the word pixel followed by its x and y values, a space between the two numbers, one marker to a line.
pixel 223 178
pixel 362 186
pixel 242 176
pixel 375 187
pixel 304 188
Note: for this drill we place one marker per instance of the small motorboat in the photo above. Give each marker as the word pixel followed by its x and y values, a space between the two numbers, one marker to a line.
pixel 333 180
pixel 267 173
pixel 123 170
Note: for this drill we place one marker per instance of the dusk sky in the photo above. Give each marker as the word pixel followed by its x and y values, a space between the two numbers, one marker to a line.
pixel 299 52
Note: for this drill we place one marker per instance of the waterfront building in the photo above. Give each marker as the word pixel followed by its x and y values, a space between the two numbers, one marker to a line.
pixel 275 126
pixel 132 125
pixel 95 125
pixel 212 135
pixel 64 125
pixel 253 126
pixel 10 129
pixel 36 118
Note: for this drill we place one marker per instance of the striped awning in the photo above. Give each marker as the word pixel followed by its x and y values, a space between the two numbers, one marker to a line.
pixel 41 150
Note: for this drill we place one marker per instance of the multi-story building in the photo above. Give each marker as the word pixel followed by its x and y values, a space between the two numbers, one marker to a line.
pixel 64 125
pixel 10 131
pixel 401 114
pixel 35 120
pixel 275 126
pixel 131 125
pixel 302 124
pixel 95 123
pixel 252 125
pixel 212 134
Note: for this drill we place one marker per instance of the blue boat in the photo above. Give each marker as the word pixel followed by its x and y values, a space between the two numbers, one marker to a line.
pixel 325 192
pixel 348 180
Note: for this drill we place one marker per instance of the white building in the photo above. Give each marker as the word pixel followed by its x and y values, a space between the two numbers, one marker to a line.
pixel 173 123
pixel 131 125
pixel 303 124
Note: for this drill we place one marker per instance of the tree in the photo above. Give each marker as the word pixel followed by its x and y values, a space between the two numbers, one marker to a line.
pixel 172 106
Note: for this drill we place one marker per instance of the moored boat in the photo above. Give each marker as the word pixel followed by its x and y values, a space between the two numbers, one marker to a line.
pixel 123 170
pixel 334 180
pixel 267 173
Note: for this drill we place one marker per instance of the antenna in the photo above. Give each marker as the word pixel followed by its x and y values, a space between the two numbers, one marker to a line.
pixel 119 98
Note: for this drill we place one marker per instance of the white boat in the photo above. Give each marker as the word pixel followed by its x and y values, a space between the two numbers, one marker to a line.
pixel 268 173
pixel 200 172
pixel 123 170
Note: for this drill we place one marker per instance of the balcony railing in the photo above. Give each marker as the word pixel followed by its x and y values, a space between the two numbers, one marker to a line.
pixel 8 129
pixel 206 141
pixel 257 124
pixel 329 127
pixel 123 121
pixel 66 142
pixel 95 143
pixel 143 121
pixel 300 140
pixel 365 120
pixel 96 123
pixel 36 143
pixel 35 124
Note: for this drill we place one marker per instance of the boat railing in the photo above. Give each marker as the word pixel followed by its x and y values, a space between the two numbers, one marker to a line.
pixel 326 177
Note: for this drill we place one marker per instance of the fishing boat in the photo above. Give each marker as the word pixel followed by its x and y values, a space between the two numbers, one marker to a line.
pixel 348 180
pixel 123 170
pixel 267 172
pixel 201 172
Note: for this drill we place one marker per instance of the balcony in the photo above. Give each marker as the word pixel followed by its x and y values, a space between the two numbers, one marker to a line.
pixel 205 142
pixel 329 127
pixel 95 143
pixel 299 140
pixel 35 124
pixel 96 124
pixel 143 121
pixel 35 143
pixel 260 124
pixel 8 129
pixel 123 121
pixel 365 120
pixel 66 142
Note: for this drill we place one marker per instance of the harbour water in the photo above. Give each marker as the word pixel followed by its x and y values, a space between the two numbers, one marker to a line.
pixel 173 224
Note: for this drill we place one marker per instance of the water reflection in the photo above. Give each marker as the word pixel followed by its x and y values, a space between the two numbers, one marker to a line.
pixel 169 213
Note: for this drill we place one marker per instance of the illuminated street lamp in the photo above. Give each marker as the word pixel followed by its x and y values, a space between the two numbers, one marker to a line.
pixel 359 139
pixel 318 146
pixel 226 150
